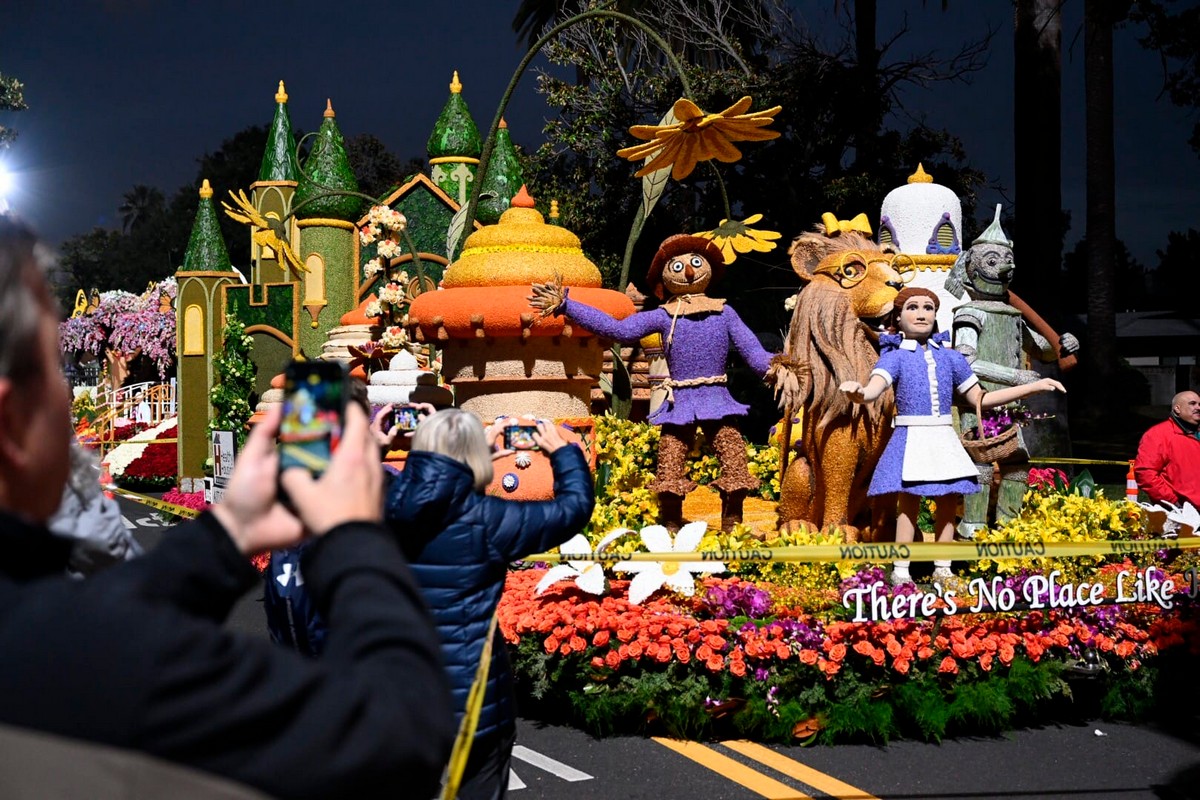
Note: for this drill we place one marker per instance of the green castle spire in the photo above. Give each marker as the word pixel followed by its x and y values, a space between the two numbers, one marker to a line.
pixel 504 178
pixel 206 248
pixel 279 159
pixel 454 134
pixel 328 167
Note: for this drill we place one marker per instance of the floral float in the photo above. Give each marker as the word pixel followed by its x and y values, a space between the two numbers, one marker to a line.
pixel 772 652
pixel 125 323
pixel 143 463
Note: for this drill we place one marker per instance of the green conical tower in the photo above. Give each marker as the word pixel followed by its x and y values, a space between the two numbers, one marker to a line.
pixel 327 167
pixel 504 178
pixel 206 248
pixel 199 320
pixel 279 159
pixel 273 191
pixel 454 146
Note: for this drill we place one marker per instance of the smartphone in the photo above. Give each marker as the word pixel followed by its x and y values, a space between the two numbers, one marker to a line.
pixel 520 437
pixel 314 408
pixel 405 418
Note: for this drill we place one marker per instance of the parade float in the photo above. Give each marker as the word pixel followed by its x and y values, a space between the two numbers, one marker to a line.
pixel 781 628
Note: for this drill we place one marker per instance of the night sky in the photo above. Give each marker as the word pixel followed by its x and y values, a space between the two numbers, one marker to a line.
pixel 133 91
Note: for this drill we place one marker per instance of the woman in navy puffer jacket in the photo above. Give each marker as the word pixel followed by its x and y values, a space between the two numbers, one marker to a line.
pixel 460 542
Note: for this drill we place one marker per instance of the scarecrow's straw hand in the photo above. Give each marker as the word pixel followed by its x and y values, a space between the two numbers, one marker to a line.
pixel 787 374
pixel 549 297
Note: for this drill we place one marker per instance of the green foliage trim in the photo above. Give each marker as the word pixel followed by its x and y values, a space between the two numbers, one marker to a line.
pixel 235 382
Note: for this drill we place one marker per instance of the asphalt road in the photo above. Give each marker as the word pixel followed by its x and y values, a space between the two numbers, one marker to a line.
pixel 1090 759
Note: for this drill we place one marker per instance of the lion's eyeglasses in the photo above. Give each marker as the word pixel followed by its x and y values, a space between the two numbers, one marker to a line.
pixel 850 268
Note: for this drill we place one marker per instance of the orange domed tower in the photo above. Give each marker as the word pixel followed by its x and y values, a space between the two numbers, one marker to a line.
pixel 497 354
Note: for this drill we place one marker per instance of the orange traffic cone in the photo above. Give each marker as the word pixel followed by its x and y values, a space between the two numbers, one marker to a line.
pixel 106 480
pixel 1131 487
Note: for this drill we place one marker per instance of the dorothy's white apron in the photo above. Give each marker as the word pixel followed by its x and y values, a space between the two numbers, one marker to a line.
pixel 932 450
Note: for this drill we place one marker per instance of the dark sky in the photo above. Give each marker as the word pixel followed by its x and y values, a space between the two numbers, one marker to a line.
pixel 133 91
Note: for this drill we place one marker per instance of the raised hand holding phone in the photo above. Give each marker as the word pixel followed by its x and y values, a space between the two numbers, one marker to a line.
pixel 314 404
pixel 350 490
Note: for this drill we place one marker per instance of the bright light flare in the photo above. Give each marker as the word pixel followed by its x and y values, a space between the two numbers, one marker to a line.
pixel 6 184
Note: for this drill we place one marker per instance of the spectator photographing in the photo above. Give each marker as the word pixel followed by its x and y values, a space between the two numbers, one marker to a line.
pixel 135 657
pixel 460 542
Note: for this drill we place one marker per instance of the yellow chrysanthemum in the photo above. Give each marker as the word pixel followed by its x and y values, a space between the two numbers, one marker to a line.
pixel 735 237
pixel 698 136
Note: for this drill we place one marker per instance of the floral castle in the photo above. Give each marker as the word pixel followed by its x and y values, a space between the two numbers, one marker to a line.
pixel 306 277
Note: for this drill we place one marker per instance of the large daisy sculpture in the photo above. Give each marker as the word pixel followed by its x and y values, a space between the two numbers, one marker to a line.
pixel 650 576
pixel 588 575
pixel 698 136
pixel 734 236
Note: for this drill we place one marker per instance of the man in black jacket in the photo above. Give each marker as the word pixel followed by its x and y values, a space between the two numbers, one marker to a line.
pixel 136 657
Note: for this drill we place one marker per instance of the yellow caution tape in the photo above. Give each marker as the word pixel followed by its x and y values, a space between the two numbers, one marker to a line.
pixel 892 551
pixel 466 729
pixel 153 502
pixel 1124 463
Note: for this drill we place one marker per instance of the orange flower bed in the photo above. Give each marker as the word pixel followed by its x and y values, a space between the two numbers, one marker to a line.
pixel 786 654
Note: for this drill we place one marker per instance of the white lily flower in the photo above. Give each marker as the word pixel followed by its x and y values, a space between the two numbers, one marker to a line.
pixel 588 575
pixel 650 576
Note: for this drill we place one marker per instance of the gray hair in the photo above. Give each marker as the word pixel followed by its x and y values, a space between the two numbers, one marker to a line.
pixel 458 434
pixel 23 297
pixel 84 477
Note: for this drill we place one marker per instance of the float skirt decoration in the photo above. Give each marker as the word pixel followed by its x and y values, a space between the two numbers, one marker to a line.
pixel 768 656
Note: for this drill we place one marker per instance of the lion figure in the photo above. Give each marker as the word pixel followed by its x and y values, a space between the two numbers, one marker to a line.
pixel 851 284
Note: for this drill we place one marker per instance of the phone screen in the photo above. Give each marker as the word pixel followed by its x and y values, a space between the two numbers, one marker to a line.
pixel 314 402
pixel 406 418
pixel 520 437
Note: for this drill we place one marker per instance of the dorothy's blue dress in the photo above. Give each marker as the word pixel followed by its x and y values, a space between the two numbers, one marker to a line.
pixel 924 456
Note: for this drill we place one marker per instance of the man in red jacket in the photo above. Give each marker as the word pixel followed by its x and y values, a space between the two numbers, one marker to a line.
pixel 1168 457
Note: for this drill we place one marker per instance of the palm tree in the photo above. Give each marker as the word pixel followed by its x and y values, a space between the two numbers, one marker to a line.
pixel 139 205
pixel 1101 353
pixel 1037 137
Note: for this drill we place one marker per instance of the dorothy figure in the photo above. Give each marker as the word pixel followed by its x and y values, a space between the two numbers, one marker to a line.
pixel 924 457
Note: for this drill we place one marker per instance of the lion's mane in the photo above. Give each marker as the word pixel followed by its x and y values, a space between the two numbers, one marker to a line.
pixel 828 336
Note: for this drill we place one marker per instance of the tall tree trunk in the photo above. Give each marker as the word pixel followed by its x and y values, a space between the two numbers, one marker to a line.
pixel 866 54
pixel 1100 354
pixel 1037 137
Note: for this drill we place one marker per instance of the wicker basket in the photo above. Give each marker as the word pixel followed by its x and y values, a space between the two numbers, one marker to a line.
pixel 989 449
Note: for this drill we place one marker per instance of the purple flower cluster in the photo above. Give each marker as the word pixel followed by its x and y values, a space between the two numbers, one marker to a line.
pixel 794 632
pixel 737 600
pixel 147 331
pixel 997 420
pixel 81 335
pixel 126 323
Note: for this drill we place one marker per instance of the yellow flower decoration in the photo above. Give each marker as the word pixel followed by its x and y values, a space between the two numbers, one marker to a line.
pixel 698 136
pixel 735 237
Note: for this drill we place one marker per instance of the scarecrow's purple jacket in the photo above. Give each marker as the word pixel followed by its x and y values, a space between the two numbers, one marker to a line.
pixel 699 348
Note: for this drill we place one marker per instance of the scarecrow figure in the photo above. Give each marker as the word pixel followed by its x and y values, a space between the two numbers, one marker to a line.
pixel 697 333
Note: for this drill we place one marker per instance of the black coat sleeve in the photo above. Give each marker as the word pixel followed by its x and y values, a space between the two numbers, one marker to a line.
pixel 531 527
pixel 371 717
pixel 196 569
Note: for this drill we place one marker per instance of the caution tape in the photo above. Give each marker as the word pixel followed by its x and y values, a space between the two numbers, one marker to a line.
pixel 892 551
pixel 154 502
pixel 1105 461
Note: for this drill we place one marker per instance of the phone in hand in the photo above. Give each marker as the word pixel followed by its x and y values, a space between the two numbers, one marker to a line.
pixel 520 437
pixel 314 408
pixel 405 418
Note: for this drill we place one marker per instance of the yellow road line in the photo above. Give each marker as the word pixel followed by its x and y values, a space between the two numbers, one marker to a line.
pixel 735 771
pixel 801 772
